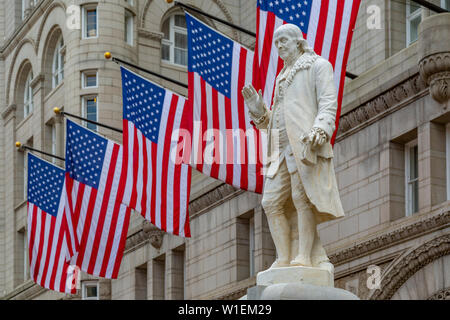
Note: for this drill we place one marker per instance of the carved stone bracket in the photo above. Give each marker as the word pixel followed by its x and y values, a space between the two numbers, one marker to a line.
pixel 154 234
pixel 434 55
pixel 435 69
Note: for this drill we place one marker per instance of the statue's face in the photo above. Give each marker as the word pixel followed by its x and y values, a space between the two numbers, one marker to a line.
pixel 287 46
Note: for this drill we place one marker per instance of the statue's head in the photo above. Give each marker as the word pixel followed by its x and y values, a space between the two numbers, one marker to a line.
pixel 289 41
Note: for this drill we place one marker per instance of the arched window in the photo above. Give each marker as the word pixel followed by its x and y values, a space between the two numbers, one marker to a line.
pixel 28 96
pixel 58 63
pixel 174 42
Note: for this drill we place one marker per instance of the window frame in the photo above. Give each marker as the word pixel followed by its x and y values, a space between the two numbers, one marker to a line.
pixel 129 27
pixel 28 95
pixel 84 75
pixel 251 245
pixel 84 28
pixel 85 285
pixel 84 112
pixel 409 18
pixel 171 41
pixel 444 4
pixel 409 200
pixel 58 63
pixel 25 175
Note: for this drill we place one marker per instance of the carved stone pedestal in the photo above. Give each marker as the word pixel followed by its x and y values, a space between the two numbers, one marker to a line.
pixel 297 291
pixel 308 275
pixel 296 283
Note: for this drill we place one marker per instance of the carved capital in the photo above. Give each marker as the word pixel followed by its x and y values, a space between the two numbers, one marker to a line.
pixel 154 234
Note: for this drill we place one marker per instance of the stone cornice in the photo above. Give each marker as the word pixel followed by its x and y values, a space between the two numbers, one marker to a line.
pixel 381 105
pixel 408 265
pixel 9 109
pixel 427 224
pixel 213 198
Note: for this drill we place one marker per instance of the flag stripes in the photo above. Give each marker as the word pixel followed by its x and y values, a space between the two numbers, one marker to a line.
pixel 160 192
pixel 328 30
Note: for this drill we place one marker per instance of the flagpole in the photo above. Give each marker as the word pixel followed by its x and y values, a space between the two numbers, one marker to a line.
pixel 19 145
pixel 250 33
pixel 120 61
pixel 66 114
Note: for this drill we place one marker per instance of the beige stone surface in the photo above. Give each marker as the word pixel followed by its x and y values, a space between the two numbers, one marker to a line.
pixel 304 275
pixel 369 160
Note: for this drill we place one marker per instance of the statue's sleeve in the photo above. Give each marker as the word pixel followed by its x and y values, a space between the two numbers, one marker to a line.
pixel 326 97
pixel 263 121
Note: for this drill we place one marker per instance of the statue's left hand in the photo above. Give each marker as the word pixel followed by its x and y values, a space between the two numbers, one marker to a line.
pixel 317 137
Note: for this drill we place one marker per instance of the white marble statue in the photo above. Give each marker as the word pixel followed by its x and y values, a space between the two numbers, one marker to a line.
pixel 300 189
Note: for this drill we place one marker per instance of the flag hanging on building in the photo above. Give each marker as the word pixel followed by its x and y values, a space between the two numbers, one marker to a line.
pixel 327 25
pixel 152 119
pixel 225 146
pixel 95 188
pixel 47 226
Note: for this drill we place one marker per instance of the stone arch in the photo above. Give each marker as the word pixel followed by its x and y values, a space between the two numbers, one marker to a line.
pixel 48 49
pixel 61 20
pixel 19 85
pixel 219 3
pixel 20 54
pixel 402 273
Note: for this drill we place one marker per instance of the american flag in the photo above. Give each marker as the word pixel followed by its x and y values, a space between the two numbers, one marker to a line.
pixel 47 226
pixel 95 187
pixel 226 146
pixel 327 25
pixel 152 117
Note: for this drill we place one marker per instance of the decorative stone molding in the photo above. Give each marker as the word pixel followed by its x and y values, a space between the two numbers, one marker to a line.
pixel 215 197
pixel 441 295
pixel 38 79
pixel 10 110
pixel 390 238
pixel 384 103
pixel 154 234
pixel 434 55
pixel 406 266
pixel 150 34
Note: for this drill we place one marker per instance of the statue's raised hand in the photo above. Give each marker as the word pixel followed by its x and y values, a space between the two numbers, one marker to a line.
pixel 253 100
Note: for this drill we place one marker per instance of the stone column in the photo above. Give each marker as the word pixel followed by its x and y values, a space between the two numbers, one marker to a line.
pixel 10 157
pixel 174 275
pixel 59 139
pixel 434 55
pixel 432 173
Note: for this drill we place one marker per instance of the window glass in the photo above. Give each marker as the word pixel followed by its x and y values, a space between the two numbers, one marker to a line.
pixel 174 42
pixel 91 22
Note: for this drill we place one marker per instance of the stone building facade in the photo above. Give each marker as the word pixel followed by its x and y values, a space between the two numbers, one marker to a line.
pixel 392 152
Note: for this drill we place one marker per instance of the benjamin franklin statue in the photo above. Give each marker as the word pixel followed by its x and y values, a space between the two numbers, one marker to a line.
pixel 300 189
